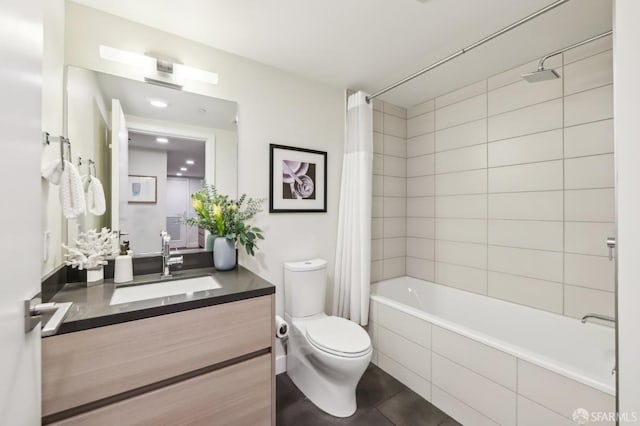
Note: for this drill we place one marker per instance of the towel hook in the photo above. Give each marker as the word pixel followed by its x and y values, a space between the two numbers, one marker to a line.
pixel 79 161
pixel 91 163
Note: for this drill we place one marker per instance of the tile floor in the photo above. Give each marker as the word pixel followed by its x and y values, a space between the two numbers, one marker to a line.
pixel 382 401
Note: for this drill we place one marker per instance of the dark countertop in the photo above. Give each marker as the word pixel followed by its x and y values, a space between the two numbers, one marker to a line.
pixel 91 307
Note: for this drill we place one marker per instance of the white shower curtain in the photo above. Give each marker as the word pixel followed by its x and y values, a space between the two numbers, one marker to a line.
pixel 353 252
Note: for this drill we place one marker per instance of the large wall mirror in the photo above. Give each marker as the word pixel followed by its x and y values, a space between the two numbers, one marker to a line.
pixel 151 147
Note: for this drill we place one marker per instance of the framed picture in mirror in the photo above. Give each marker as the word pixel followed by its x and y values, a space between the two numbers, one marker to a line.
pixel 143 189
pixel 297 180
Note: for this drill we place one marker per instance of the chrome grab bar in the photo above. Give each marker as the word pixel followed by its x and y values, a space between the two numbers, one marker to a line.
pixel 598 316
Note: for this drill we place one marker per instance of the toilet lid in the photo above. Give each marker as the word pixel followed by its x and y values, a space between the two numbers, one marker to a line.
pixel 339 336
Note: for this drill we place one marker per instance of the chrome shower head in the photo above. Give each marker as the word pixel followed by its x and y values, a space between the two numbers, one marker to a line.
pixel 540 75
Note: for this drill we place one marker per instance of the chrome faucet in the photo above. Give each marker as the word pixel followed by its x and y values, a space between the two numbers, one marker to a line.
pixel 167 260
pixel 598 316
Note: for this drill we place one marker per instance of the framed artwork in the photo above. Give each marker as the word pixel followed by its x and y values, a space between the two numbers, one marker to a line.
pixel 143 189
pixel 297 180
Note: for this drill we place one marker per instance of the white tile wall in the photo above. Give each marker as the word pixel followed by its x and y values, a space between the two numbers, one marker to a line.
pixel 540 235
pixel 462 206
pixel 389 207
pixel 558 393
pixel 461 112
pixel 470 158
pixel 420 145
pixel 589 139
pixel 532 292
pixel 545 205
pixel 421 166
pixel 412 380
pixel 421 124
pixel 519 94
pixel 458 95
pixel 467 134
pixel 546 176
pixel 489 398
pixel 470 182
pixel 458 409
pixel 405 352
pixel 509 185
pixel 591 105
pixel 542 146
pixel 462 277
pixel 485 360
pixel 527 120
pixel 532 414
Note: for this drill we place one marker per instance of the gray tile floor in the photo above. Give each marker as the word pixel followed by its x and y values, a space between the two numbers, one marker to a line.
pixel 382 401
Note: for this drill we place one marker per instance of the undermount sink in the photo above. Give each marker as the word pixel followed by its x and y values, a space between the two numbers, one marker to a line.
pixel 134 293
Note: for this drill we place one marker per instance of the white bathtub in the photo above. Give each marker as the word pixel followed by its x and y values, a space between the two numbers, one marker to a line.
pixel 487 361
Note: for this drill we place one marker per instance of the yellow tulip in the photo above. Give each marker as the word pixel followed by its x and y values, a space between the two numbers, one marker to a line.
pixel 197 204
pixel 217 210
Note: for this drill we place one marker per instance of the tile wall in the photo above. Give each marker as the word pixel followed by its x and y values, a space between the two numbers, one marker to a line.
pixel 509 187
pixel 388 245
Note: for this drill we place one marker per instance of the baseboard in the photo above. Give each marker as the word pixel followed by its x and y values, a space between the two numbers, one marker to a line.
pixel 281 364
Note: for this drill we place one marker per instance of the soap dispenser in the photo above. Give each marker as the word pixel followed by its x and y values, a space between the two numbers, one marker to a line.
pixel 124 265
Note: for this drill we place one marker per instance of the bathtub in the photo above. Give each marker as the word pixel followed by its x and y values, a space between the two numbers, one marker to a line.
pixel 487 361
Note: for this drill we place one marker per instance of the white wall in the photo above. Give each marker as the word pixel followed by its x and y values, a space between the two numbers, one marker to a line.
pixel 87 118
pixel 273 107
pixel 626 62
pixel 52 117
pixel 148 220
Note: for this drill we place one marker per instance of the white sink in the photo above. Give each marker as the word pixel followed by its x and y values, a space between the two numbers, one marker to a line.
pixel 135 293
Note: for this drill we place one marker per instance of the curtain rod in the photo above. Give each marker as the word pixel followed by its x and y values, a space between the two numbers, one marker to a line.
pixel 467 49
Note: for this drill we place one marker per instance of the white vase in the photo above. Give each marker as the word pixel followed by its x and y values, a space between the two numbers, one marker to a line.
pixel 95 276
pixel 224 254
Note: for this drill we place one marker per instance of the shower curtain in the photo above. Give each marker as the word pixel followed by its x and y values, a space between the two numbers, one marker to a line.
pixel 353 252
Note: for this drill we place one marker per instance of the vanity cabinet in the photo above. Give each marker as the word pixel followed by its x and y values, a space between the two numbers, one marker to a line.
pixel 211 365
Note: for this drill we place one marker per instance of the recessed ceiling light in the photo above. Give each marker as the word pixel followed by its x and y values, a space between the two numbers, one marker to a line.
pixel 190 162
pixel 184 169
pixel 162 140
pixel 178 174
pixel 158 104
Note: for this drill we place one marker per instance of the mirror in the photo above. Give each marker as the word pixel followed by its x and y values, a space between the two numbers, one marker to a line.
pixel 151 147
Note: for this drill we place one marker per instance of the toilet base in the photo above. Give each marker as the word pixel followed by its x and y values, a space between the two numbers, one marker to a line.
pixel 327 380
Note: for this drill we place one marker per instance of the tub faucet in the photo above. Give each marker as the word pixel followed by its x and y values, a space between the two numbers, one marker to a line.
pixel 598 316
pixel 167 260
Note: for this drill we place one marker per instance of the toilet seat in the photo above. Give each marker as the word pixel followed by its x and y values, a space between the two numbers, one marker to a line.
pixel 338 336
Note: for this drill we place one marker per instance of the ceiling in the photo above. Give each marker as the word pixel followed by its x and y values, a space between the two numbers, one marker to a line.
pixel 183 107
pixel 369 44
pixel 178 152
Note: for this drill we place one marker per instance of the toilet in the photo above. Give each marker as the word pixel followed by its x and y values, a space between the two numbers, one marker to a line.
pixel 326 355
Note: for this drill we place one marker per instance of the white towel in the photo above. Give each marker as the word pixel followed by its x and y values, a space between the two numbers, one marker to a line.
pixel 96 202
pixel 71 192
pixel 52 171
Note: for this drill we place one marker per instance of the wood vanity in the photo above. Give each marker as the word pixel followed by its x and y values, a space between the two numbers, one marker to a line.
pixel 209 365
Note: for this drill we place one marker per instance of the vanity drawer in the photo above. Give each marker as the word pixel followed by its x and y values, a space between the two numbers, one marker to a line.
pixel 235 395
pixel 87 366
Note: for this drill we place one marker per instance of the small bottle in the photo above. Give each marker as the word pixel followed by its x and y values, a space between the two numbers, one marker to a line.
pixel 124 265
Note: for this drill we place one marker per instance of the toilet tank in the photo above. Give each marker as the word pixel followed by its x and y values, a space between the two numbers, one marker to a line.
pixel 305 284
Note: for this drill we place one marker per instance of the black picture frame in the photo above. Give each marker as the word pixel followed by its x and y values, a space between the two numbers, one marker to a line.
pixel 284 200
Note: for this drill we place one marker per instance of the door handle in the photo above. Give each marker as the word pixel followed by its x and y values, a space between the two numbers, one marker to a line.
pixel 35 310
pixel 611 243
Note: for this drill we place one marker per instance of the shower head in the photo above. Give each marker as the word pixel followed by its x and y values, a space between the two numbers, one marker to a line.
pixel 540 75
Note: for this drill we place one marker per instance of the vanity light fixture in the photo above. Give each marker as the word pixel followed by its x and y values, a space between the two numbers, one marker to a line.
pixel 162 140
pixel 184 169
pixel 158 70
pixel 190 162
pixel 158 104
pixel 178 174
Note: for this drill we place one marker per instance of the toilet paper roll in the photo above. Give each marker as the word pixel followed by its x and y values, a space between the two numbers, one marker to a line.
pixel 282 328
